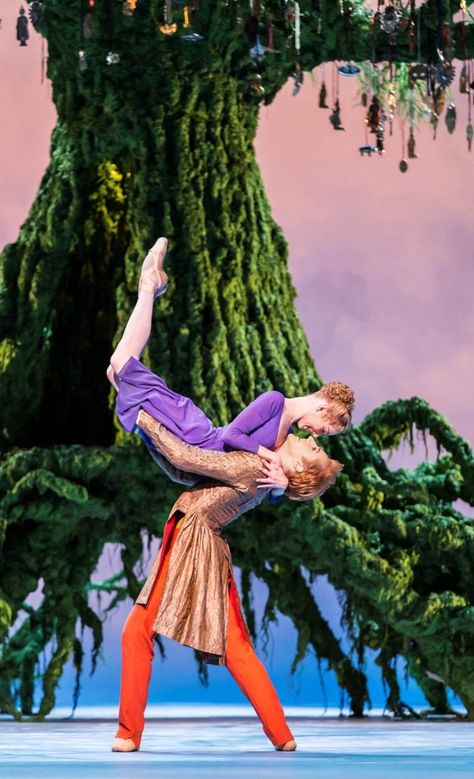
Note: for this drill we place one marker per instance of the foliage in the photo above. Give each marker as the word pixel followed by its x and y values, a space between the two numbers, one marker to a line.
pixel 164 145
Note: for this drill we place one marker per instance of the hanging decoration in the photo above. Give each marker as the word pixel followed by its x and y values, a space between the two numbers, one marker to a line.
pixel 22 33
pixel 129 7
pixel 335 117
pixel 112 58
pixel 323 93
pixel 168 27
pixel 450 118
pixel 36 13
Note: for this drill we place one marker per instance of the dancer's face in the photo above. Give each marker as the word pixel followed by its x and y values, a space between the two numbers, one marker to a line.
pixel 319 422
pixel 296 453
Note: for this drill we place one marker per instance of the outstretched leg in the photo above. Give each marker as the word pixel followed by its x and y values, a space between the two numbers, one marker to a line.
pixel 153 282
pixel 252 678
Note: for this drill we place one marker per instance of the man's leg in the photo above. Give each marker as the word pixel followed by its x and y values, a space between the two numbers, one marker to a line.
pixel 252 677
pixel 137 655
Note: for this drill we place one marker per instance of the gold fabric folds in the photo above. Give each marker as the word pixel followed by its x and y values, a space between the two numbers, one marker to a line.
pixel 194 605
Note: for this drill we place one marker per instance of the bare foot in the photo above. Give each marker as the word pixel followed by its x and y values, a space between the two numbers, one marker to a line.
pixel 152 277
pixel 124 745
pixel 290 746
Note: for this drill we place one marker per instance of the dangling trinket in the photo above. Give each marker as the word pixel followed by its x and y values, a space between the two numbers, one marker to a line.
pixel 348 69
pixel 36 12
pixel 379 140
pixel 257 52
pixel 298 77
pixel 403 166
pixel 445 73
pixel 374 114
pixel 323 93
pixel 112 58
pixel 22 33
pixel 335 117
pixel 297 28
pixel 257 85
pixel 411 146
pixel 418 72
pixel 129 7
pixel 168 27
pixel 463 80
pixel 364 99
pixel 83 65
pixel 469 134
pixel 367 149
pixel 450 118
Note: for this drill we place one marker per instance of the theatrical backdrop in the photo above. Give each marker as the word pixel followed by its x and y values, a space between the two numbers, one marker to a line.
pixel 311 166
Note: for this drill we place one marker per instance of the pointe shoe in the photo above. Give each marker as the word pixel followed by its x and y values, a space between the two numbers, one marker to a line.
pixel 290 746
pixel 124 745
pixel 152 277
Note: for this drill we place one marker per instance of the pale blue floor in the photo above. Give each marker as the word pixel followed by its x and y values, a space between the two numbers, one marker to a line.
pixel 230 747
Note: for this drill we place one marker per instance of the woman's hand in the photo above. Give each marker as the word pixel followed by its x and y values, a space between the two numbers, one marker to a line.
pixel 268 456
pixel 273 476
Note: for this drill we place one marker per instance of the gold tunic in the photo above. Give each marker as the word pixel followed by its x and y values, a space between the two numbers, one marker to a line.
pixel 194 605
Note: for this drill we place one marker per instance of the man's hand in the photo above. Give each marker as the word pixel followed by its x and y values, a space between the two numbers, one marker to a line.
pixel 268 456
pixel 273 476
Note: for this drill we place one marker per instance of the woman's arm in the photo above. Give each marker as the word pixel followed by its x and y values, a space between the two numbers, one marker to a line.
pixel 239 469
pixel 260 411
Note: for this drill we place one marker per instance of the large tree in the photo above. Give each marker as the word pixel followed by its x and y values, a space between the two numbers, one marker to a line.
pixel 161 142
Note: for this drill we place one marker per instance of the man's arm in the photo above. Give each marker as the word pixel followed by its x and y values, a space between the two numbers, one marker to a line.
pixel 238 469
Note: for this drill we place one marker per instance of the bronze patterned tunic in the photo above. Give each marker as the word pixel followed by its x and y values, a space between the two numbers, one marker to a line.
pixel 194 605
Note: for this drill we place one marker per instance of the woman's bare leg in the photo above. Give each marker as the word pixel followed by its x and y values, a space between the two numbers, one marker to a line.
pixel 138 329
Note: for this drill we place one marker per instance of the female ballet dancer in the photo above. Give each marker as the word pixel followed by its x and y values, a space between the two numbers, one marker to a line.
pixel 260 428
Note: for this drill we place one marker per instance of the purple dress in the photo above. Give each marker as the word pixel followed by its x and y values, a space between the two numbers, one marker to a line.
pixel 139 387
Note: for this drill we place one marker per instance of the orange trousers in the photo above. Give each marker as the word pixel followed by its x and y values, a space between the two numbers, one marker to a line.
pixel 241 660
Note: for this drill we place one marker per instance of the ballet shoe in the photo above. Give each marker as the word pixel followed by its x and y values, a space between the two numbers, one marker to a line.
pixel 290 746
pixel 124 745
pixel 152 277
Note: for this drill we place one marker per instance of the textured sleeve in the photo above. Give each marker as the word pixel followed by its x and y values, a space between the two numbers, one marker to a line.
pixel 174 474
pixel 238 433
pixel 238 469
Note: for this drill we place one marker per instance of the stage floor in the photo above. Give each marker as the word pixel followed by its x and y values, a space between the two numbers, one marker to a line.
pixel 231 747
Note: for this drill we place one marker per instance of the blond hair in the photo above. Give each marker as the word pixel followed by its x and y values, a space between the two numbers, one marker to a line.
pixel 340 399
pixel 313 481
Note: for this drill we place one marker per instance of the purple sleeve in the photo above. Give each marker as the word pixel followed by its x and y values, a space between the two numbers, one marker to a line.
pixel 238 434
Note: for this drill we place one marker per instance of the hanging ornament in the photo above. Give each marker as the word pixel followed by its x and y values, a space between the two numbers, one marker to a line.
pixel 379 139
pixel 418 72
pixel 364 98
pixel 298 79
pixel 367 149
pixel 348 69
pixel 392 104
pixel 403 166
pixel 335 117
pixel 257 52
pixel 445 71
pixel 36 13
pixel 22 33
pixel 186 17
pixel 323 93
pixel 112 58
pixel 463 80
pixel 297 28
pixel 469 134
pixel 411 146
pixel 257 85
pixel 374 114
pixel 129 7
pixel 168 27
pixel 83 64
pixel 450 118
pixel 439 101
